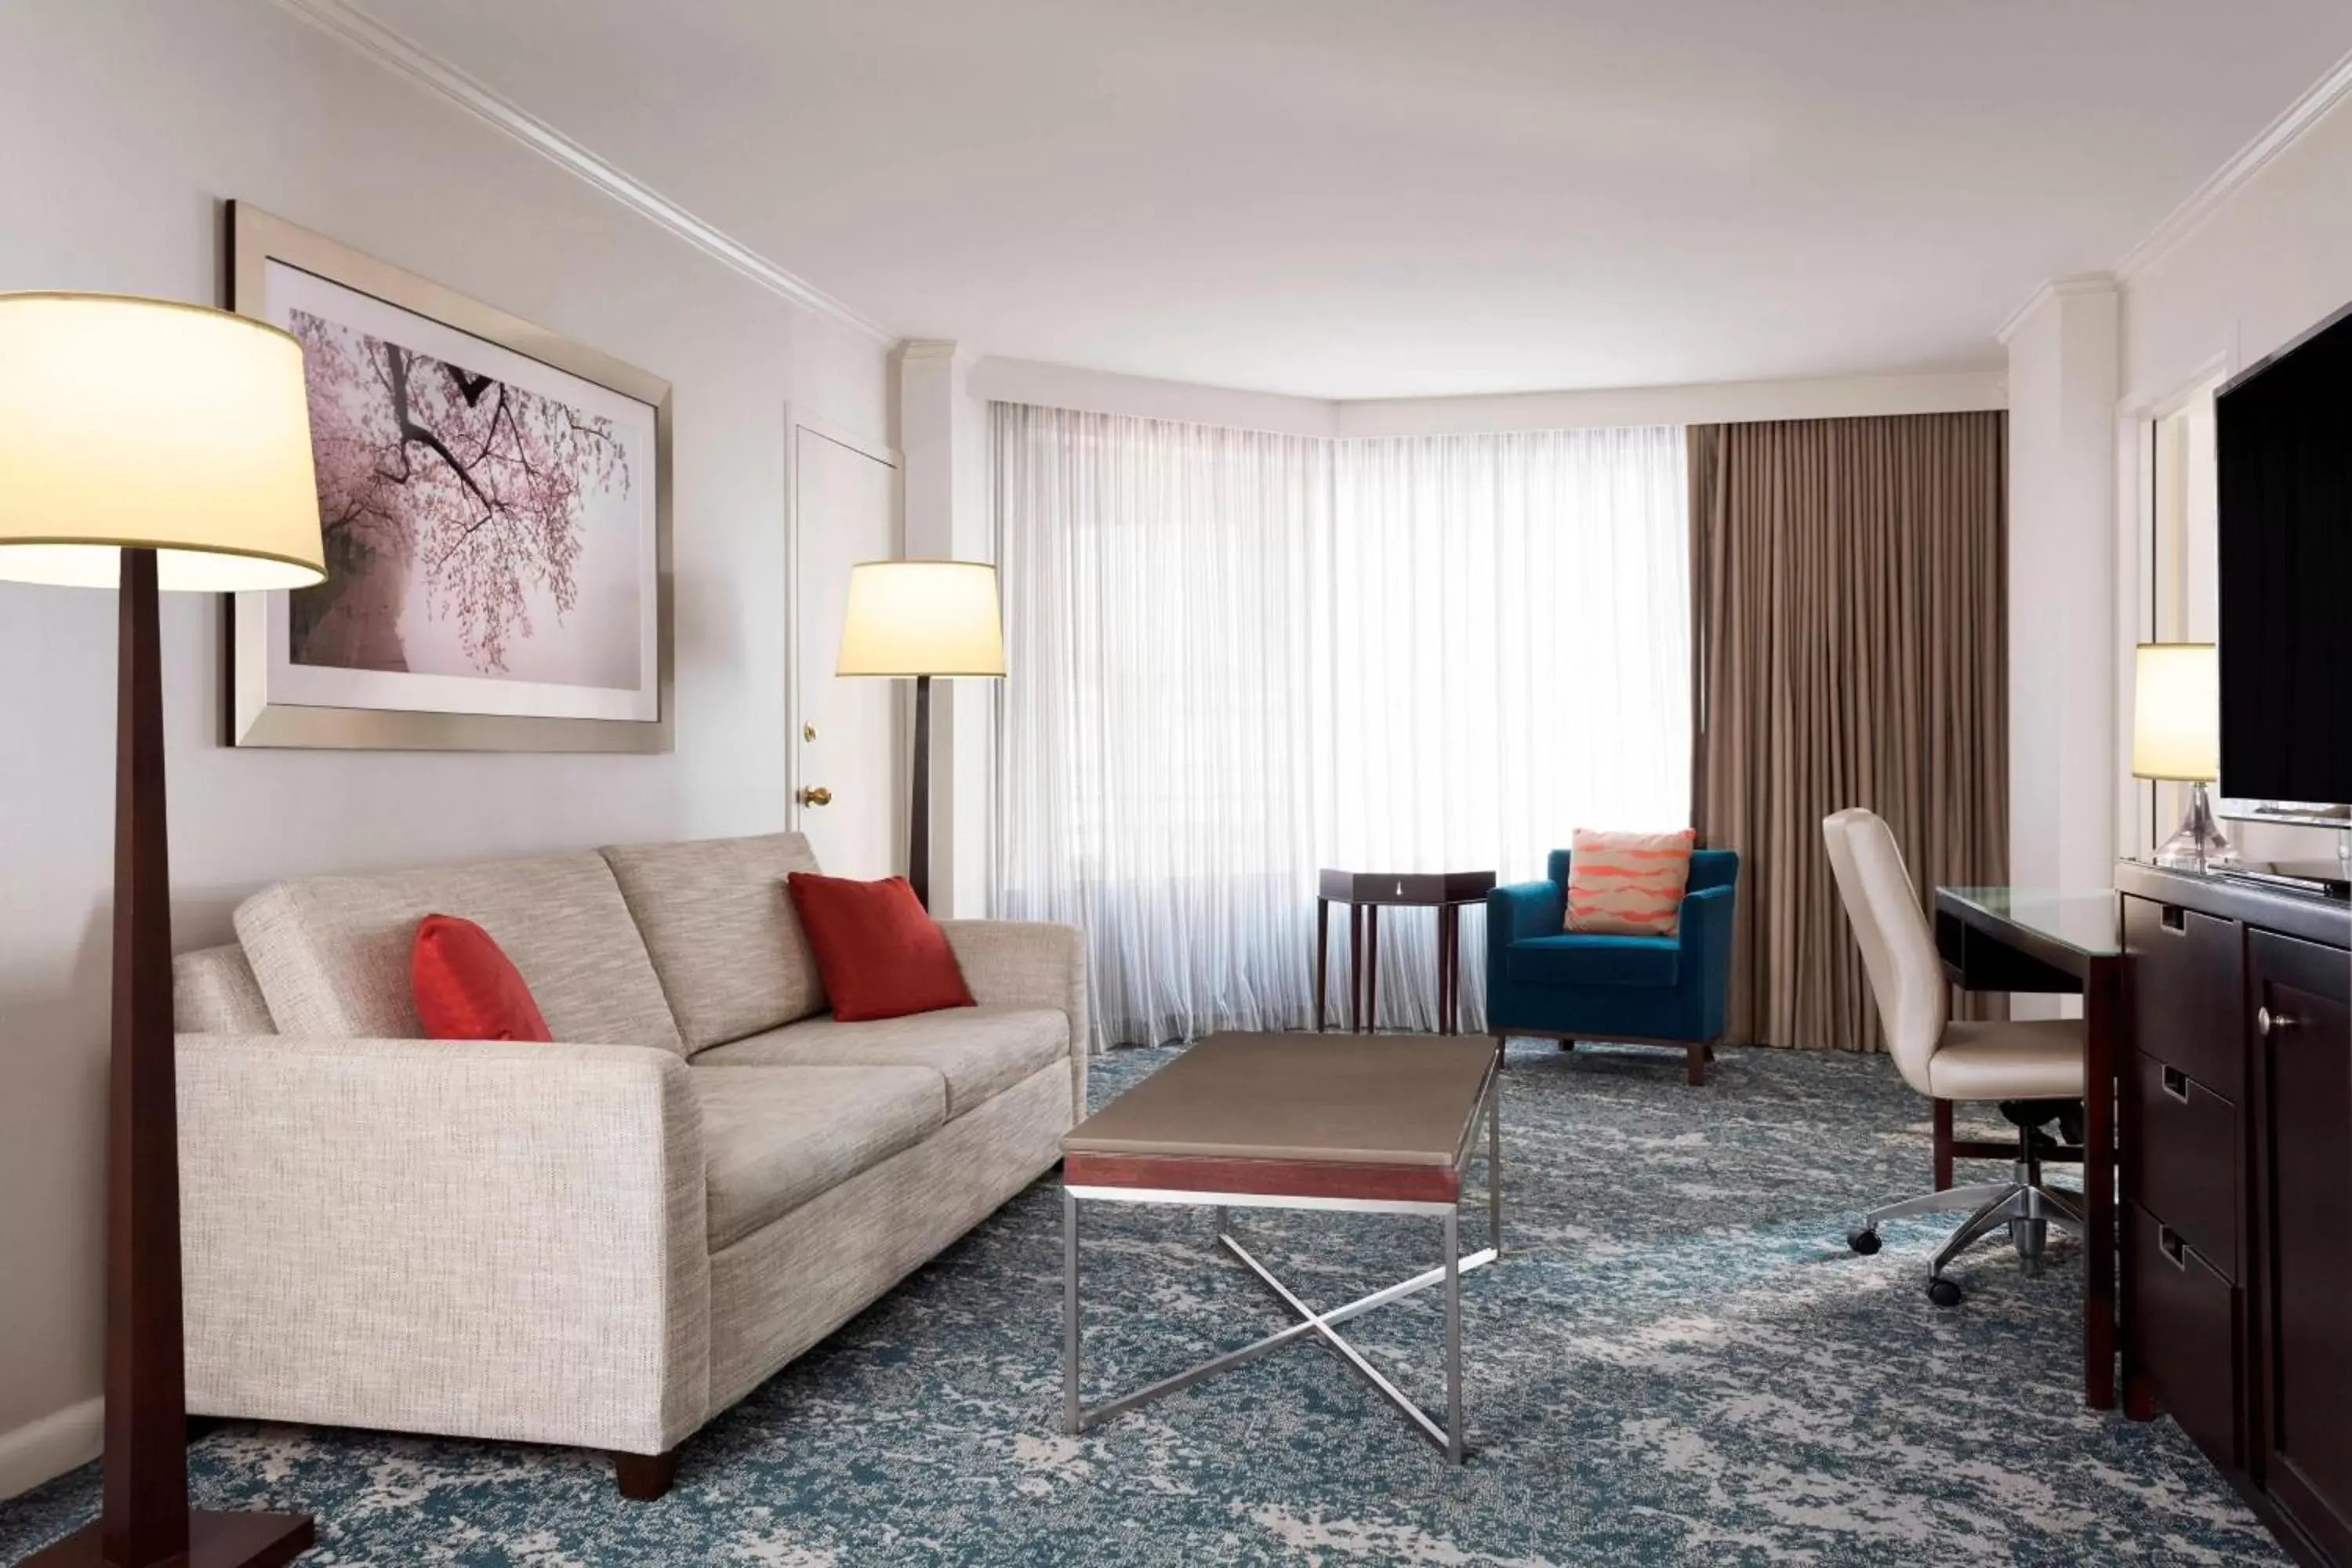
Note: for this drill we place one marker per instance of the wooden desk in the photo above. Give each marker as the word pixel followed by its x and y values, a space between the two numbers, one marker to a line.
pixel 2023 938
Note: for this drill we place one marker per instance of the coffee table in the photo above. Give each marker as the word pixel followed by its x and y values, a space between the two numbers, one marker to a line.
pixel 1378 1124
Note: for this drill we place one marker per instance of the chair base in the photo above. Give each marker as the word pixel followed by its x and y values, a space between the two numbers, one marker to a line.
pixel 2022 1204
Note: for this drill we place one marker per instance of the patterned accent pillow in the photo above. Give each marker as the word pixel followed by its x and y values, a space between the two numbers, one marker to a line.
pixel 1628 884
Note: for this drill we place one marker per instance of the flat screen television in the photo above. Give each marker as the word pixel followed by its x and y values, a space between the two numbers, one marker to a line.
pixel 2283 434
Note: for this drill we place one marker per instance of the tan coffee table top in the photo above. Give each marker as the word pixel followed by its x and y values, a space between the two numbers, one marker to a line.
pixel 1337 1115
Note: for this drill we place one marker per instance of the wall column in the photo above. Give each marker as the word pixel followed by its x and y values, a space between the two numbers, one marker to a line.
pixel 2062 585
pixel 943 443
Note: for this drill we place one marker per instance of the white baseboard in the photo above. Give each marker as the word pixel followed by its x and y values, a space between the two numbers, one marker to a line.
pixel 44 1449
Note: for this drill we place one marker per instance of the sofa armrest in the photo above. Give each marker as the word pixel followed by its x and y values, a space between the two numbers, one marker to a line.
pixel 1515 912
pixel 1704 931
pixel 1518 910
pixel 1030 963
pixel 479 1238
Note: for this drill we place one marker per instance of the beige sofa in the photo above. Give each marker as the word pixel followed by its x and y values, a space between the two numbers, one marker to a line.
pixel 607 1241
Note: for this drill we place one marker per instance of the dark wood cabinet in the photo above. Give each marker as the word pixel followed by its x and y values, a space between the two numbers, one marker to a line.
pixel 2236 1126
pixel 2301 993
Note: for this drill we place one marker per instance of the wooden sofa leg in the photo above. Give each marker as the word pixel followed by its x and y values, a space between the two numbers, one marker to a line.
pixel 1697 1071
pixel 643 1478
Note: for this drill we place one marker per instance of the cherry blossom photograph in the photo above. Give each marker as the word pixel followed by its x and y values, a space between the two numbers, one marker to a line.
pixel 473 526
pixel 492 500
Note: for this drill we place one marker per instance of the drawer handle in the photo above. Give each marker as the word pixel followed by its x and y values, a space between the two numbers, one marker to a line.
pixel 2174 1250
pixel 2176 919
pixel 2269 1023
pixel 2176 1084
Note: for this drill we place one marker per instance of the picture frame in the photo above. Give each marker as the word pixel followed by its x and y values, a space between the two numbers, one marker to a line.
pixel 496 500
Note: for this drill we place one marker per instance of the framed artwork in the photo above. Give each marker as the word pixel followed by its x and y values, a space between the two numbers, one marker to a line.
pixel 495 502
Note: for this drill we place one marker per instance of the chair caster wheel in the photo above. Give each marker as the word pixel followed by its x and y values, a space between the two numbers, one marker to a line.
pixel 1864 1241
pixel 1943 1292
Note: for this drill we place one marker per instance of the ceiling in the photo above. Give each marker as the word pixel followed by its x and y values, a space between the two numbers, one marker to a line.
pixel 1363 198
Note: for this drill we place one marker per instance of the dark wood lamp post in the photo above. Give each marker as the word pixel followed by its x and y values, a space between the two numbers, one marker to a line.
pixel 922 618
pixel 147 446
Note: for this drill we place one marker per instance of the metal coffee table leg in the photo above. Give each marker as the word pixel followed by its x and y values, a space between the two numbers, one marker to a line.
pixel 1454 1448
pixel 1070 1417
pixel 1450 1437
pixel 1494 1165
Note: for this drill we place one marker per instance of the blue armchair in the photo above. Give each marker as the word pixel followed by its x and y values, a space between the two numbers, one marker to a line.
pixel 1575 985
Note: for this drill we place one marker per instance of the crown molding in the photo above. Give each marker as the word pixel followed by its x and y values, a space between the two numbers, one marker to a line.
pixel 2054 289
pixel 2208 198
pixel 364 33
pixel 1709 403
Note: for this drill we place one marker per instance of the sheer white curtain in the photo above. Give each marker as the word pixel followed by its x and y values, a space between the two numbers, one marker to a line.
pixel 1237 657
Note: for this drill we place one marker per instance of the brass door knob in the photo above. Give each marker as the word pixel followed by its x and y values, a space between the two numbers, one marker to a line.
pixel 817 795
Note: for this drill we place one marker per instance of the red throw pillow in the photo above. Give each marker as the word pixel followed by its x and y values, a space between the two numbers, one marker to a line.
pixel 880 953
pixel 465 989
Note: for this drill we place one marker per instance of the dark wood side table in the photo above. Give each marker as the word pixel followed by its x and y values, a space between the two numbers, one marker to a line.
pixel 1365 893
pixel 2020 939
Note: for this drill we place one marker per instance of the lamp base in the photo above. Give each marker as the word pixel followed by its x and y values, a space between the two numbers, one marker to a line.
pixel 2198 841
pixel 215 1541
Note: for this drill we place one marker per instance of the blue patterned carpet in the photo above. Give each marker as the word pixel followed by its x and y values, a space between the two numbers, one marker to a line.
pixel 1681 1365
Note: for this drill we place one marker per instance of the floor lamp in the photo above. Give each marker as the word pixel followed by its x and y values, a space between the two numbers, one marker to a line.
pixel 924 619
pixel 148 446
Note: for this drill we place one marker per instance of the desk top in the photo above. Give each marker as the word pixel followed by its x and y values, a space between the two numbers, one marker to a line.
pixel 2082 924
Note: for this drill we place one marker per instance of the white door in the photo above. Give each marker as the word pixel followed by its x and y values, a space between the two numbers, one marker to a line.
pixel 846 782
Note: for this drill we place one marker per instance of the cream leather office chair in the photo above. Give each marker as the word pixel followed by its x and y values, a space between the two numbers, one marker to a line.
pixel 2026 1065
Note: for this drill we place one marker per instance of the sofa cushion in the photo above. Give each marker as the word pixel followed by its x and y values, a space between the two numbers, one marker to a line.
pixel 980 1051
pixel 721 932
pixel 213 993
pixel 775 1137
pixel 1582 958
pixel 332 952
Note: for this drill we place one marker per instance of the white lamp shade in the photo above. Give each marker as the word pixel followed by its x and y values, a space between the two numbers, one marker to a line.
pixel 921 617
pixel 2177 712
pixel 145 424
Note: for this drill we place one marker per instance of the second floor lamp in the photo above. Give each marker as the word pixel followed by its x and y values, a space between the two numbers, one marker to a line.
pixel 921 620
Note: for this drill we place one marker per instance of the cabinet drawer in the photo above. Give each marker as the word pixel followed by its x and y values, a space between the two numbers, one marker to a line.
pixel 2187 992
pixel 2184 1321
pixel 2182 1157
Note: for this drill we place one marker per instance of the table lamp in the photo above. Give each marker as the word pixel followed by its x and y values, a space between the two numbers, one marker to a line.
pixel 924 619
pixel 147 446
pixel 2177 734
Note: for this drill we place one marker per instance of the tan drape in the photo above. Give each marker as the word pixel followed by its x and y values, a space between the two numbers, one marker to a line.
pixel 1848 597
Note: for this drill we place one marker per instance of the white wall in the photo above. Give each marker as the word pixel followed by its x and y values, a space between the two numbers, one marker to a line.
pixel 125 124
pixel 2271 260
